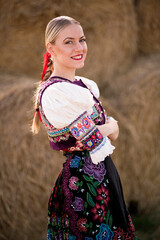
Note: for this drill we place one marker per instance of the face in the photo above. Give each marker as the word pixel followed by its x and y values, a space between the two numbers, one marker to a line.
pixel 70 48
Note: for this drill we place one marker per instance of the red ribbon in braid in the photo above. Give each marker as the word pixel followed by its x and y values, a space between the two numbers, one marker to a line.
pixel 37 110
pixel 46 57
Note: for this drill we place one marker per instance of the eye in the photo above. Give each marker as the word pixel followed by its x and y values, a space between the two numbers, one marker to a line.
pixel 68 42
pixel 83 40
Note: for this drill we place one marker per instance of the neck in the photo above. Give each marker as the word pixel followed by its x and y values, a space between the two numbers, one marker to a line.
pixel 68 74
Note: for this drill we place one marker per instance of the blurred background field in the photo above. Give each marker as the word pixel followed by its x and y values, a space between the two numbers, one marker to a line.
pixel 123 39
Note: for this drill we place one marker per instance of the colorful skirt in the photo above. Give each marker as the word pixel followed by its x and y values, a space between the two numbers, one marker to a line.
pixel 87 202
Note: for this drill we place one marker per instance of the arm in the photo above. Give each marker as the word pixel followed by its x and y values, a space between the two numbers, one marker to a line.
pixel 85 131
pixel 67 105
pixel 110 129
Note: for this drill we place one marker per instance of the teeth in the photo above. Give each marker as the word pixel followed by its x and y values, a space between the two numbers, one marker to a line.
pixel 78 57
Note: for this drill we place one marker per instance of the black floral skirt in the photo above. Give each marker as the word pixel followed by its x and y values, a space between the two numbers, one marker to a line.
pixel 87 202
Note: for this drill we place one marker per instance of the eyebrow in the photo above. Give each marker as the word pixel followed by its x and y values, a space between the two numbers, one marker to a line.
pixel 70 38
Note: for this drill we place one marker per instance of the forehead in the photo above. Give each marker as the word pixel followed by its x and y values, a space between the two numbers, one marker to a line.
pixel 70 31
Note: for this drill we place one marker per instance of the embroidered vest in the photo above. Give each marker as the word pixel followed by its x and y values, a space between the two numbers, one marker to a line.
pixel 62 139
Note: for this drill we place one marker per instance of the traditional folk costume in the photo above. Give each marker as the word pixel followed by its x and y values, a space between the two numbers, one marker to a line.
pixel 87 200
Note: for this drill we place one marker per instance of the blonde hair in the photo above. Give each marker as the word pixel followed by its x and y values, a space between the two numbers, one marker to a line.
pixel 52 30
pixel 55 26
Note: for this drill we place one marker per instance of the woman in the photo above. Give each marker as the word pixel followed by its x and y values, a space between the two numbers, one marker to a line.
pixel 87 200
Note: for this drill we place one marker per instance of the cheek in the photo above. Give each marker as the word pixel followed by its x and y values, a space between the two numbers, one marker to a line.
pixel 67 52
pixel 85 49
pixel 63 54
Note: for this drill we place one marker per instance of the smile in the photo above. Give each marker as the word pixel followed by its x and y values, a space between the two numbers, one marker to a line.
pixel 78 57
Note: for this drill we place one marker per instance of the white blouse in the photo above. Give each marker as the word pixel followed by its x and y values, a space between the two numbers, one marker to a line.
pixel 63 102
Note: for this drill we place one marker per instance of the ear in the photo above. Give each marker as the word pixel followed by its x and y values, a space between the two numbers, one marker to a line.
pixel 49 47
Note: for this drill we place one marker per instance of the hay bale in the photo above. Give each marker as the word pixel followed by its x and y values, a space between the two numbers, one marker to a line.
pixel 148 18
pixel 137 100
pixel 110 27
pixel 28 166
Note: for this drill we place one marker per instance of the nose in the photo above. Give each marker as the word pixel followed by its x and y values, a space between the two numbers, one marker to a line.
pixel 78 46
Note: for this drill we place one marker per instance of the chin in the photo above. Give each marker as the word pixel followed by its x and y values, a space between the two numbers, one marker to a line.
pixel 80 66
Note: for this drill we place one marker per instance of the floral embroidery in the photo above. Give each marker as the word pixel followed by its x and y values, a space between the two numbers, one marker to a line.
pixel 87 122
pixel 68 198
pixel 103 195
pixel 122 235
pixel 80 207
pixel 105 233
pixel 90 143
pixel 75 162
pixel 131 226
pixel 60 235
pixel 71 237
pixel 77 147
pixel 97 171
pixel 72 183
pixel 99 135
pixel 49 234
pixel 99 212
pixel 84 129
pixel 93 140
pixel 129 235
pixel 81 224
pixel 78 204
pixel 81 126
pixel 97 114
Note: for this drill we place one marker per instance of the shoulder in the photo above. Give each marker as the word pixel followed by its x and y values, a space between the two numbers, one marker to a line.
pixel 64 88
pixel 91 85
pixel 64 93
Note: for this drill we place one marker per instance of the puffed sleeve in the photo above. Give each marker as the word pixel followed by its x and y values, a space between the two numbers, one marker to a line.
pixel 68 105
pixel 92 86
pixel 63 102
